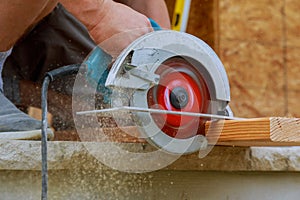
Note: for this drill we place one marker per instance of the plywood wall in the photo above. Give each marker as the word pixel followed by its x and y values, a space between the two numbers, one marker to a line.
pixel 292 19
pixel 259 44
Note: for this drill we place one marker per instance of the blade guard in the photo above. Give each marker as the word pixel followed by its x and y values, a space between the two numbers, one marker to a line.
pixel 174 44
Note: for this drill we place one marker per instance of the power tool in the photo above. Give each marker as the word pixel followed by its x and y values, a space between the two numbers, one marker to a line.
pixel 172 83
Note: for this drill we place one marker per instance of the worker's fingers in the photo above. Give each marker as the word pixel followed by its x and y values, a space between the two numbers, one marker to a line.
pixel 119 27
pixel 118 42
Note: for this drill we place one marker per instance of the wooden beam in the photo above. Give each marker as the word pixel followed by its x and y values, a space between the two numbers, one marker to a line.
pixel 36 113
pixel 251 132
pixel 59 105
pixel 274 131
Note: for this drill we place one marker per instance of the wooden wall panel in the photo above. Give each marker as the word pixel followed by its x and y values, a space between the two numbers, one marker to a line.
pixel 293 56
pixel 292 14
pixel 259 21
pixel 251 48
pixel 256 101
pixel 256 78
pixel 293 68
pixel 253 64
pixel 293 80
pixel 293 103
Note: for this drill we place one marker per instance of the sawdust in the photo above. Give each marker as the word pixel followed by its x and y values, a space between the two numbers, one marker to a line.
pixel 102 184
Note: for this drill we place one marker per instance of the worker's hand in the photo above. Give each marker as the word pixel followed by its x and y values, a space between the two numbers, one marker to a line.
pixel 118 27
pixel 112 25
pixel 154 9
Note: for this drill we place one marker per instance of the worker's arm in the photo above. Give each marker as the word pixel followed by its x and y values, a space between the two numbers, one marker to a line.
pixel 17 16
pixel 155 9
pixel 106 18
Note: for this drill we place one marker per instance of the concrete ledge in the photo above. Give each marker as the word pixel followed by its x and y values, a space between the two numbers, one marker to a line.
pixel 74 173
pixel 26 155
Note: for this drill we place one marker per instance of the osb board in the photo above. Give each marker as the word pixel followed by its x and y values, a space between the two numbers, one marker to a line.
pixel 293 102
pixel 256 101
pixel 259 46
pixel 259 21
pixel 293 67
pixel 249 62
pixel 292 43
pixel 292 18
pixel 257 90
pixel 293 80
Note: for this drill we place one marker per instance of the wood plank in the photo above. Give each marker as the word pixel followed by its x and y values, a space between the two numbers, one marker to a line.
pixel 273 131
pixel 59 105
pixel 36 113
pixel 285 129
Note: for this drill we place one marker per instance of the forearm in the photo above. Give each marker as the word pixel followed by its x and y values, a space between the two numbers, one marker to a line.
pixel 89 12
pixel 155 9
pixel 16 16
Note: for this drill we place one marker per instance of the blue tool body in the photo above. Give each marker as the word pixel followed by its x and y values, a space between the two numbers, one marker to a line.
pixel 97 67
pixel 97 71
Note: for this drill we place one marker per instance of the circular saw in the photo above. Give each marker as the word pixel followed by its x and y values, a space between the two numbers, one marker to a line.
pixel 172 83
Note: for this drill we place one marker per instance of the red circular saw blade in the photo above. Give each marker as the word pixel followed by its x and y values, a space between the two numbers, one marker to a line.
pixel 179 73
